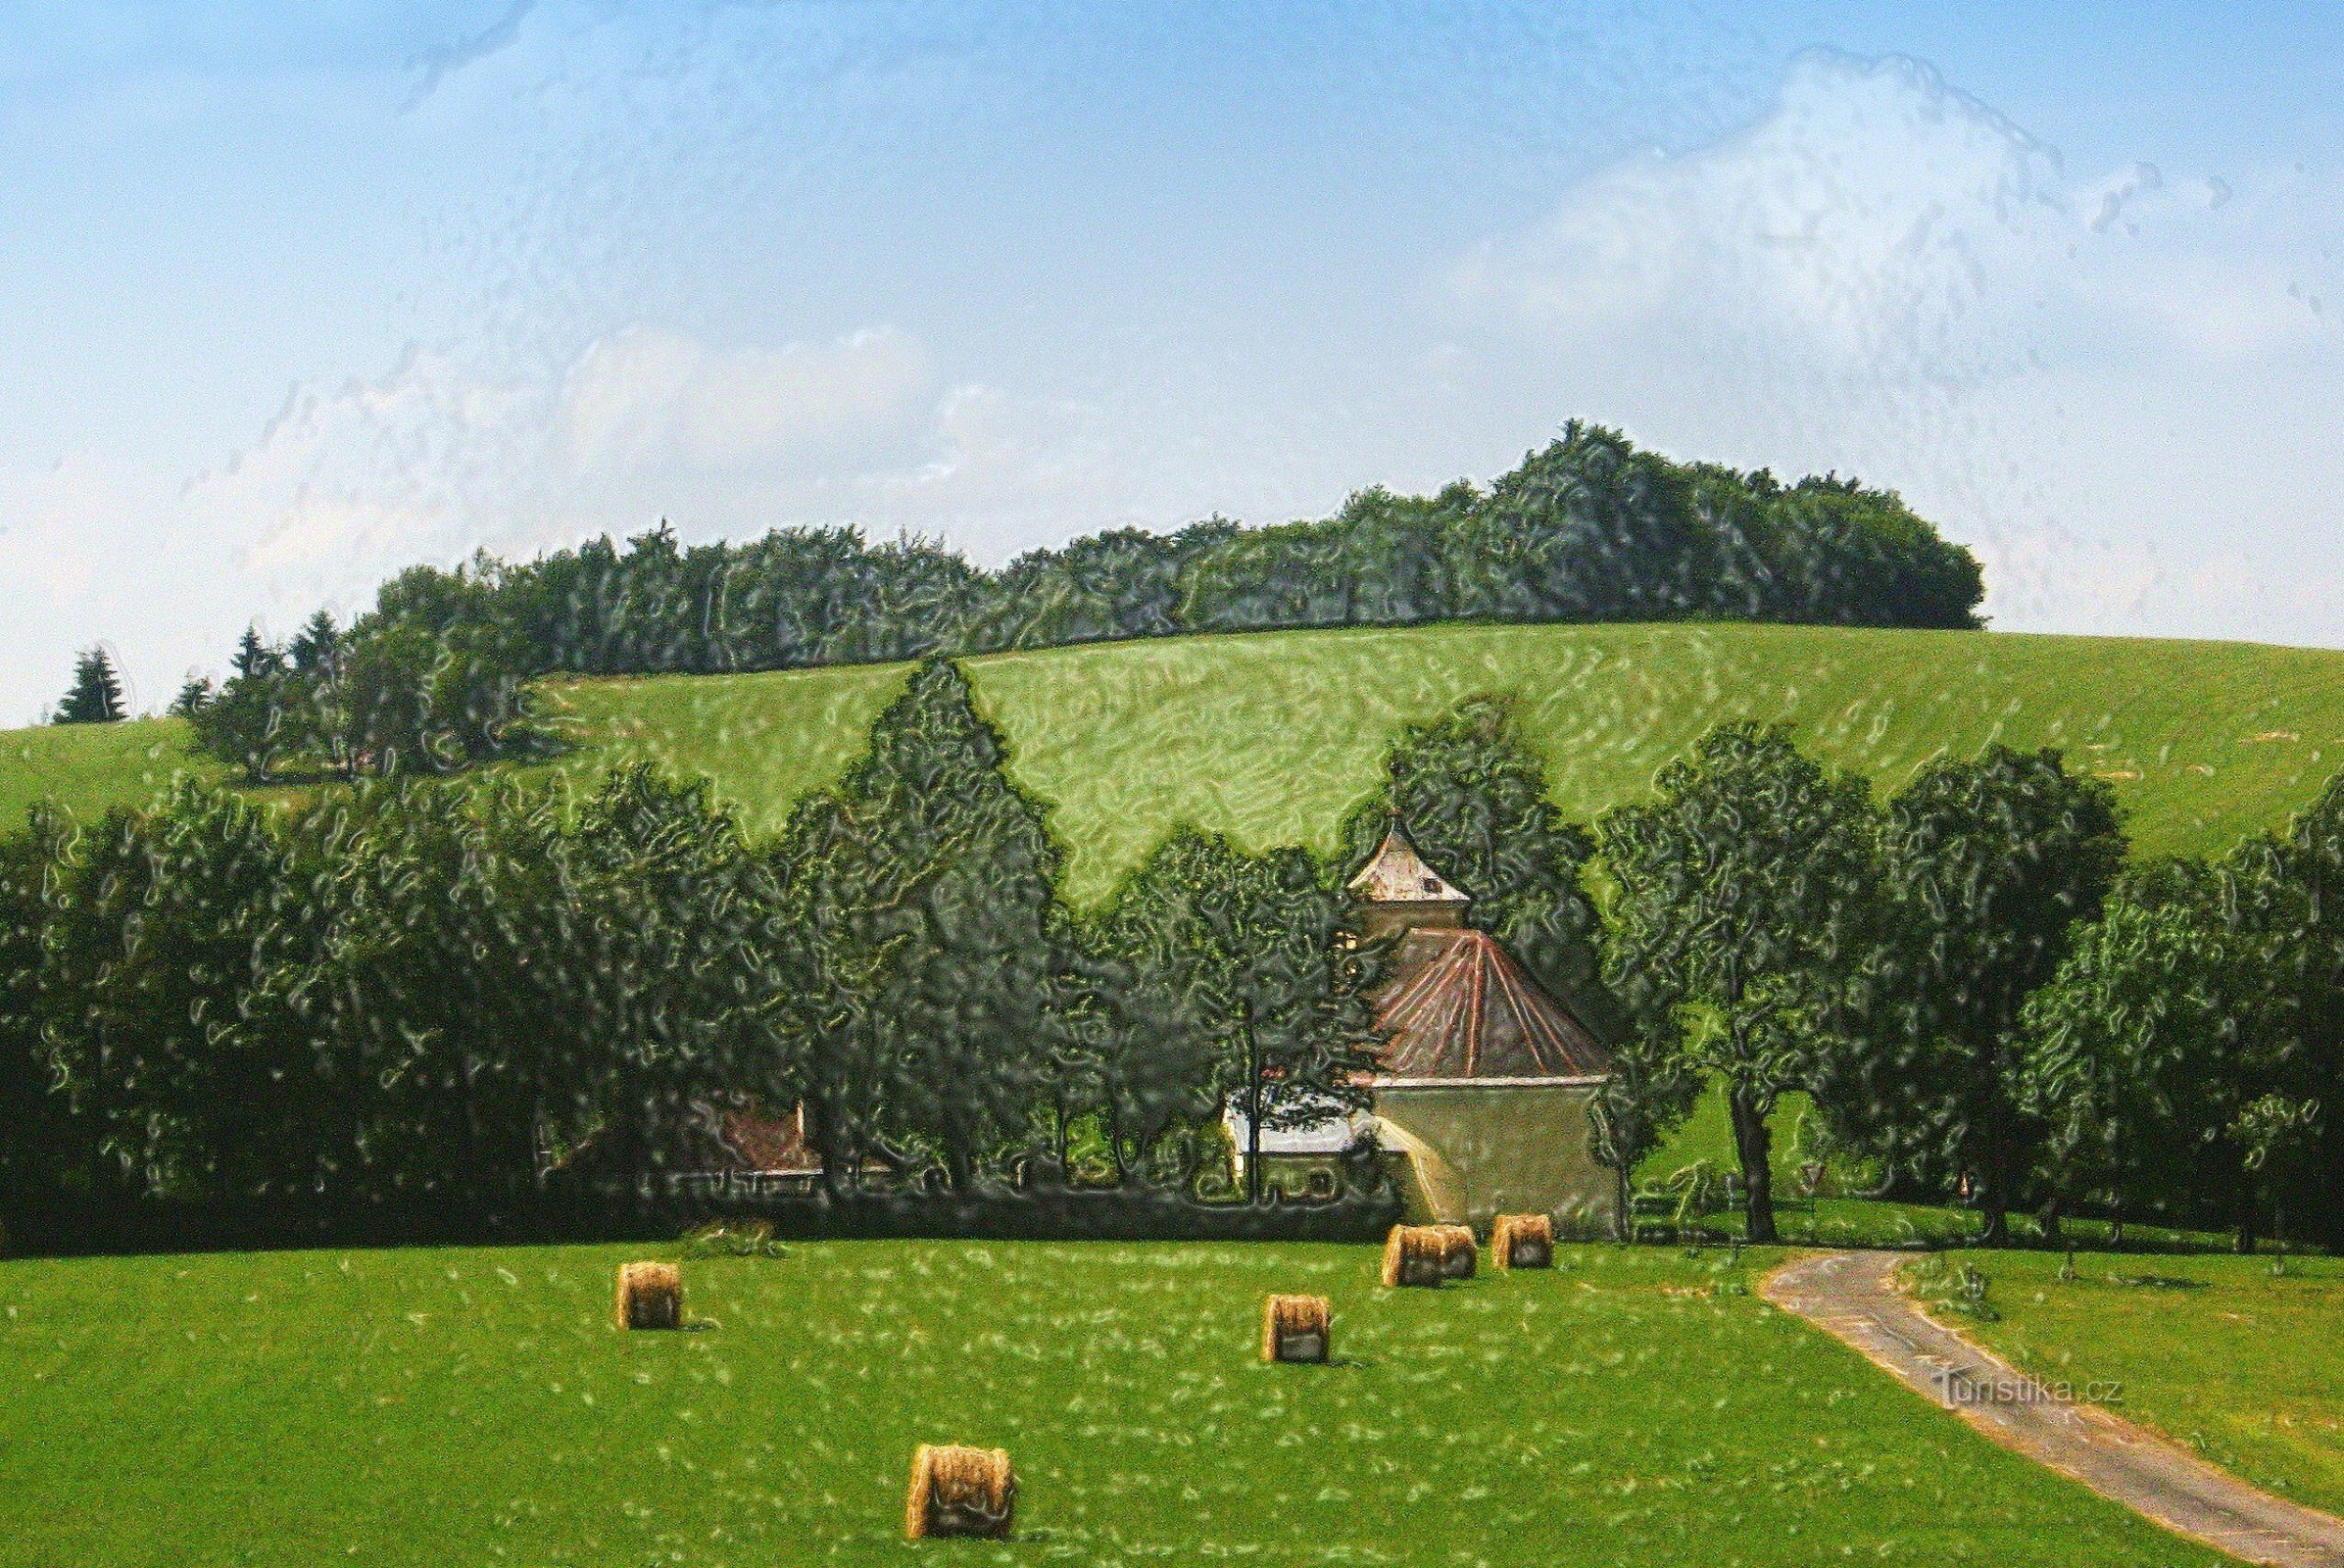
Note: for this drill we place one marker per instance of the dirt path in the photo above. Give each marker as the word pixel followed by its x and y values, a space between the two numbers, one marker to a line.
pixel 1853 1296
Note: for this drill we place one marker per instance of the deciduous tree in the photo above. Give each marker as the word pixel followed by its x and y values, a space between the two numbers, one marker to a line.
pixel 1743 889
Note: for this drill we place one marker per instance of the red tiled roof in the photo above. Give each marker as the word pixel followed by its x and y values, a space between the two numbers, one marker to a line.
pixel 754 1141
pixel 1459 1005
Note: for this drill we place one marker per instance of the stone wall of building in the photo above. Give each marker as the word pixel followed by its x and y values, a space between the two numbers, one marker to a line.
pixel 1476 1149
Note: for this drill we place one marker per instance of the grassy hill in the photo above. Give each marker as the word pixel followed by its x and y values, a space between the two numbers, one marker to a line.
pixel 1272 737
pixel 90 767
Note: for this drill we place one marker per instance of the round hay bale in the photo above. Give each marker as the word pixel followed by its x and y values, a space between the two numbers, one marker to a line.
pixel 1458 1254
pixel 650 1295
pixel 1296 1328
pixel 1412 1256
pixel 1522 1241
pixel 960 1492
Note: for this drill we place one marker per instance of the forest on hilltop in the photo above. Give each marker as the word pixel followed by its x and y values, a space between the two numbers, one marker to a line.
pixel 1589 528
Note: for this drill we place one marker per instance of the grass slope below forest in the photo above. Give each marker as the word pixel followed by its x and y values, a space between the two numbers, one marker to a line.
pixel 432 1406
pixel 1272 737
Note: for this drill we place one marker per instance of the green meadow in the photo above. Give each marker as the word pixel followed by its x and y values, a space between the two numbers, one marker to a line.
pixel 2244 1366
pixel 1271 738
pixel 88 768
pixel 434 1407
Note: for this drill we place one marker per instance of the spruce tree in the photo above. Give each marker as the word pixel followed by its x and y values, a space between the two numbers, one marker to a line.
pixel 195 695
pixel 96 697
pixel 956 909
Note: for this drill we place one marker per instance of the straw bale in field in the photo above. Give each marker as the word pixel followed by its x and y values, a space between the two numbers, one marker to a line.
pixel 1522 1241
pixel 1412 1256
pixel 1458 1254
pixel 1296 1328
pixel 650 1295
pixel 960 1492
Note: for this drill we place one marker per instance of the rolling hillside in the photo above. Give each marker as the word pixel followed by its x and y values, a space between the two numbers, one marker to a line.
pixel 1273 737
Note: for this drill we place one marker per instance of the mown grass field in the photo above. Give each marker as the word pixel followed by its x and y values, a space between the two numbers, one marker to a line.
pixel 1272 738
pixel 88 768
pixel 473 1407
pixel 2215 1352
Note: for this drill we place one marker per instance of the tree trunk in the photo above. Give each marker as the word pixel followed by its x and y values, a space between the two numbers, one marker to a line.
pixel 822 1133
pixel 1623 1212
pixel 959 1160
pixel 1995 1195
pixel 2244 1245
pixel 2049 1219
pixel 2115 1224
pixel 1753 1142
pixel 1252 1114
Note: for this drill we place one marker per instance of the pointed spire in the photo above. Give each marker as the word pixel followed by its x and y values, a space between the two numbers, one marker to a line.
pixel 1396 875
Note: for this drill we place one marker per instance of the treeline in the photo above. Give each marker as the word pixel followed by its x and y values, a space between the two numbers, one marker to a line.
pixel 1980 992
pixel 422 989
pixel 1588 529
pixel 423 986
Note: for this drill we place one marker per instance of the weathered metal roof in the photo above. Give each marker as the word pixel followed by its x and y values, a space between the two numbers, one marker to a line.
pixel 1396 875
pixel 1460 1006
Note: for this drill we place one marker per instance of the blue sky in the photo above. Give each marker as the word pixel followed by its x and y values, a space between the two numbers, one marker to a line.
pixel 295 294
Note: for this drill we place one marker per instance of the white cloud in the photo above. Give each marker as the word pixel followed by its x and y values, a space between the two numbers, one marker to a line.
pixel 431 460
pixel 1872 212
pixel 2118 389
pixel 646 399
pixel 1878 220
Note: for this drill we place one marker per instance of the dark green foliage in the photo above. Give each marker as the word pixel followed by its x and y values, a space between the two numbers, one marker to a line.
pixel 2165 1055
pixel 96 694
pixel 428 683
pixel 37 1136
pixel 1587 528
pixel 418 988
pixel 1743 895
pixel 1274 999
pixel 2309 863
pixel 1471 796
pixel 163 932
pixel 246 723
pixel 953 877
pixel 1988 865
pixel 1121 584
pixel 941 1011
pixel 195 694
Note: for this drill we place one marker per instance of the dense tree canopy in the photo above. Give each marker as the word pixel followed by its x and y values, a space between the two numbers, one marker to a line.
pixel 1988 865
pixel 1588 527
pixel 1744 890
pixel 468 989
pixel 2165 1055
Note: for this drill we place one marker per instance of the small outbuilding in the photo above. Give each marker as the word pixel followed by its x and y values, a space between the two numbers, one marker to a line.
pixel 1486 1078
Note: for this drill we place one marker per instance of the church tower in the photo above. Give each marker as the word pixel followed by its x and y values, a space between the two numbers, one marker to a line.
pixel 1402 893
